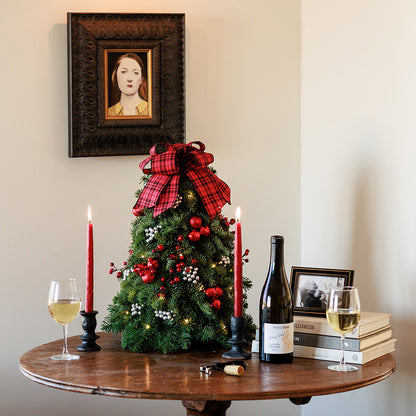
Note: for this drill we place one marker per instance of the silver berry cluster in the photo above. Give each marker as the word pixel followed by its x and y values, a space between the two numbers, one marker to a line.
pixel 177 202
pixel 224 260
pixel 165 315
pixel 151 232
pixel 136 309
pixel 126 272
pixel 190 274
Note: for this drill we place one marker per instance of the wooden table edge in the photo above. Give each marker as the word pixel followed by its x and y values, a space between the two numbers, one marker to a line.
pixel 105 391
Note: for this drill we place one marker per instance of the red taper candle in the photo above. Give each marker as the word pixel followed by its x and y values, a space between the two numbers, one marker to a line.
pixel 238 268
pixel 89 292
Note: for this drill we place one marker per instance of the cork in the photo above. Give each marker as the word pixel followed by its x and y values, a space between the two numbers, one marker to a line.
pixel 234 370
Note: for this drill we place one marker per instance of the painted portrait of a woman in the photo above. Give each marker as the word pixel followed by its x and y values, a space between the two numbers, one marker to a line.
pixel 129 87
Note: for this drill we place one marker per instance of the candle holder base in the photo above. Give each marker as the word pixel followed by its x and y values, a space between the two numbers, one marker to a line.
pixel 89 336
pixel 237 341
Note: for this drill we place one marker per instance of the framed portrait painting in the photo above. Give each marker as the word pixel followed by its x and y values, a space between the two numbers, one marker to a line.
pixel 126 82
pixel 310 288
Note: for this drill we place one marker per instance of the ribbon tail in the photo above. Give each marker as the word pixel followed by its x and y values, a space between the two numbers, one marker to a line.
pixel 168 198
pixel 213 191
pixel 151 192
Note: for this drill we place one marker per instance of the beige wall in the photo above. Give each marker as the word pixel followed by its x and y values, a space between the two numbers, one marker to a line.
pixel 358 172
pixel 242 100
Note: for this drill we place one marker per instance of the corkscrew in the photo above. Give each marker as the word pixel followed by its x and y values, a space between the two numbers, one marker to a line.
pixel 232 368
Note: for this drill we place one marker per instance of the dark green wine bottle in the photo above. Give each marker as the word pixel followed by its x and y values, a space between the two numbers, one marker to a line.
pixel 276 310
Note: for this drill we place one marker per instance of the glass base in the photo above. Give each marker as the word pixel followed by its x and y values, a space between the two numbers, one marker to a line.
pixel 65 357
pixel 342 367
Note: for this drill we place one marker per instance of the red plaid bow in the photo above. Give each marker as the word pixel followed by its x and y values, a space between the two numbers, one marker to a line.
pixel 161 190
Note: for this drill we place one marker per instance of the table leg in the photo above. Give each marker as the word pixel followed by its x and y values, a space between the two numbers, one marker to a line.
pixel 206 408
pixel 300 400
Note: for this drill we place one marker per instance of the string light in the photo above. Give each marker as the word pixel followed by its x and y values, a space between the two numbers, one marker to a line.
pixel 147 326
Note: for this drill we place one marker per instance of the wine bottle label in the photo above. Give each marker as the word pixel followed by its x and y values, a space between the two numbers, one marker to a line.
pixel 278 338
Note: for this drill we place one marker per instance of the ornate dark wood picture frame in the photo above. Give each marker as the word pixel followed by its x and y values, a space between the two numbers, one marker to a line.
pixel 310 288
pixel 149 51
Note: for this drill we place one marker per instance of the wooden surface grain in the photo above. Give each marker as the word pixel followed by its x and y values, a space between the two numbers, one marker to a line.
pixel 117 372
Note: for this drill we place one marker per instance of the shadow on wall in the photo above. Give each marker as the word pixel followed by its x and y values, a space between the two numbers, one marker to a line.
pixel 362 250
pixel 366 253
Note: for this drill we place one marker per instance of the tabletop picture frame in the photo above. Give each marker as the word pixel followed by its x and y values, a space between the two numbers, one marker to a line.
pixel 310 288
pixel 126 82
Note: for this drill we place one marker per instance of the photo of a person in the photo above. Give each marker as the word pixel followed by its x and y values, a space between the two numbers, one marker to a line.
pixel 129 87
pixel 312 296
pixel 312 291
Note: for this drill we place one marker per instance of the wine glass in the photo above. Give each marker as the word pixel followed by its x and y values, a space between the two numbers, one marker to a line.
pixel 64 303
pixel 343 314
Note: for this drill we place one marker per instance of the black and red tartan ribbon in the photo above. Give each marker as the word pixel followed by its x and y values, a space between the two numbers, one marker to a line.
pixel 161 190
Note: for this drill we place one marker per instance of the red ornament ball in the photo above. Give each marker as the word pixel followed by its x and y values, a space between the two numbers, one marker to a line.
pixel 218 292
pixel 181 238
pixel 194 235
pixel 148 277
pixel 195 221
pixel 210 292
pixel 216 305
pixel 205 231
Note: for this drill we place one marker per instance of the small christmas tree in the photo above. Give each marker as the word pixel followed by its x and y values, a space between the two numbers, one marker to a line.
pixel 176 288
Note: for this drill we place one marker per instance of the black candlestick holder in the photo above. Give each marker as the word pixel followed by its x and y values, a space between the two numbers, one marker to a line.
pixel 237 341
pixel 89 322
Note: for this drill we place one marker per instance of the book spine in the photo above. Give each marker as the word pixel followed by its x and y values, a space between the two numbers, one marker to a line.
pixel 324 341
pixel 318 327
pixel 327 354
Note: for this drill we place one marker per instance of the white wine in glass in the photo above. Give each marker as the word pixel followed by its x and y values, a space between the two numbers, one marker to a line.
pixel 64 303
pixel 343 314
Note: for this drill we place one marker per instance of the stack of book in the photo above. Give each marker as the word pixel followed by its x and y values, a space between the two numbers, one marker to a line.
pixel 372 338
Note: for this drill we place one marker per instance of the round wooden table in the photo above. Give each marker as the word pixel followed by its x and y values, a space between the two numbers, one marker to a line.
pixel 117 372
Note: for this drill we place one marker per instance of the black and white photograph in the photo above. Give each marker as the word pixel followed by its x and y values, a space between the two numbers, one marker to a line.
pixel 311 286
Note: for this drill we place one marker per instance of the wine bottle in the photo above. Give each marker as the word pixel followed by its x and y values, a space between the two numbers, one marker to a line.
pixel 276 310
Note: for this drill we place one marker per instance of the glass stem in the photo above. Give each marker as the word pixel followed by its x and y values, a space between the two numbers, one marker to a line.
pixel 342 362
pixel 65 347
